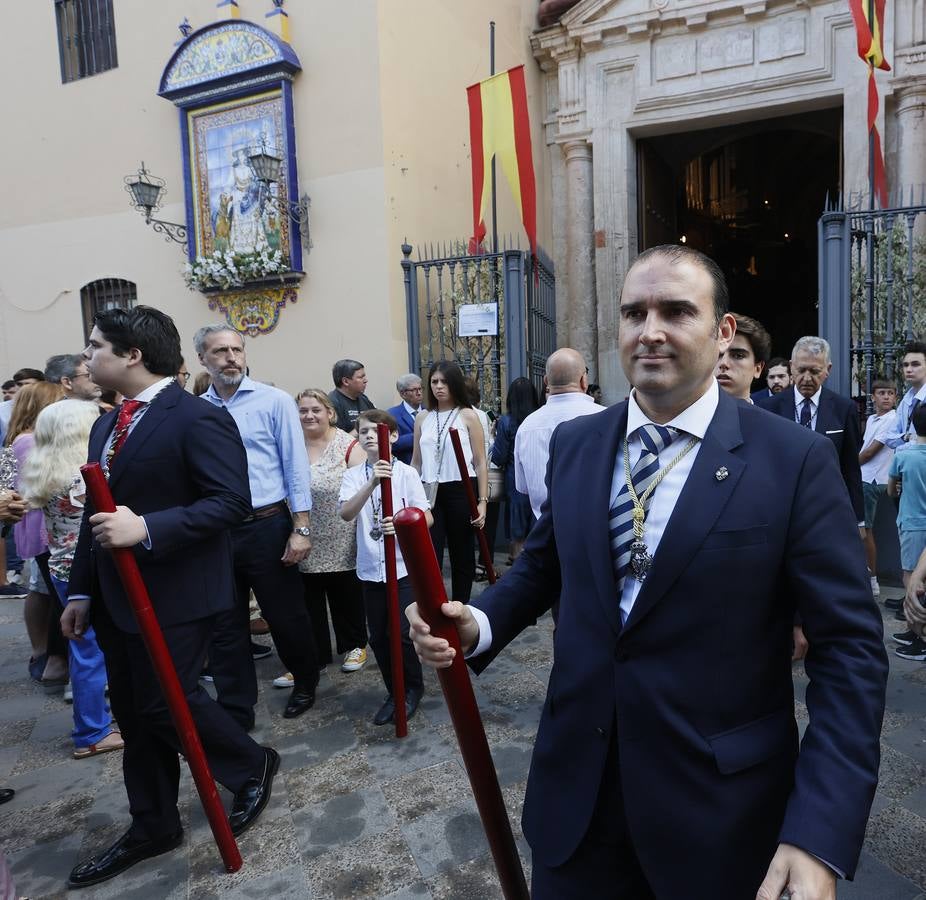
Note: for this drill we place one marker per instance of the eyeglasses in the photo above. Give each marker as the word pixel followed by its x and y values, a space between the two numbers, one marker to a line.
pixel 416 390
pixel 80 375
pixel 185 376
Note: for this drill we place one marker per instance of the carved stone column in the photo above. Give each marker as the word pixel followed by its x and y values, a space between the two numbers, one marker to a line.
pixel 910 98
pixel 580 251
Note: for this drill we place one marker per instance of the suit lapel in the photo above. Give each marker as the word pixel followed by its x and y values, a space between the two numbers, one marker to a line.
pixel 157 411
pixel 698 507
pixel 600 456
pixel 100 436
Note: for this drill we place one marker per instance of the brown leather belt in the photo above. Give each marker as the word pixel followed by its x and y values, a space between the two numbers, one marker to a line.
pixel 265 512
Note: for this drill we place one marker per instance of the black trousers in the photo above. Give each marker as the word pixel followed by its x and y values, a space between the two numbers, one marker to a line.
pixel 56 644
pixel 604 858
pixel 341 592
pixel 452 526
pixel 150 762
pixel 374 599
pixel 258 547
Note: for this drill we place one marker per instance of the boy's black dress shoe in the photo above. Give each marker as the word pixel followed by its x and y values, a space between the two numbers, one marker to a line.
pixel 122 855
pixel 6 794
pixel 250 801
pixel 385 713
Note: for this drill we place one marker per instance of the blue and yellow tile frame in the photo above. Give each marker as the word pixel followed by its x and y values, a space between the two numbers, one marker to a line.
pixel 232 82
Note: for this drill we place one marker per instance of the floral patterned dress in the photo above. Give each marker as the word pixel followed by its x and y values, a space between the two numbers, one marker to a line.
pixel 334 541
pixel 63 513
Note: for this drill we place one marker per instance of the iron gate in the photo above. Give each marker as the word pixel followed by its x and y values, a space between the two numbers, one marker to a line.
pixel 513 298
pixel 872 289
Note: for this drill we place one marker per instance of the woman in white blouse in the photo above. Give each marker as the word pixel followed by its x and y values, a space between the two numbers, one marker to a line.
pixel 448 407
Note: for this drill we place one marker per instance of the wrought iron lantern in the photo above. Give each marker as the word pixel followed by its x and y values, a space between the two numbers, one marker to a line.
pixel 147 191
pixel 267 167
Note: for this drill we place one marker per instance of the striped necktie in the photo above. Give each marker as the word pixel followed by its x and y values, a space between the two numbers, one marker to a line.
pixel 655 438
pixel 121 431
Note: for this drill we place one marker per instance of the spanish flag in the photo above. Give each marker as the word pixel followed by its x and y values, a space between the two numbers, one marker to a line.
pixel 868 16
pixel 499 126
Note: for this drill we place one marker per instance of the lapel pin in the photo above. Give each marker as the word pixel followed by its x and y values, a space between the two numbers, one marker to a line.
pixel 721 473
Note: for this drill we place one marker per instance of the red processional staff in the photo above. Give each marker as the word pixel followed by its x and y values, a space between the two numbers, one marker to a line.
pixel 392 592
pixel 418 552
pixel 163 665
pixel 473 506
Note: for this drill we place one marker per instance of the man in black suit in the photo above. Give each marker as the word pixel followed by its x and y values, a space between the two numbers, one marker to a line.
pixel 178 473
pixel 810 404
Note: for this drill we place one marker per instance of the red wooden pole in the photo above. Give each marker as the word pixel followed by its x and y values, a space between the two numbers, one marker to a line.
pixel 163 665
pixel 473 506
pixel 392 592
pixel 428 585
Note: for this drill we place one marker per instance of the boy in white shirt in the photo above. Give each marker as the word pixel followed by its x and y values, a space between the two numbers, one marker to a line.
pixel 361 499
pixel 875 460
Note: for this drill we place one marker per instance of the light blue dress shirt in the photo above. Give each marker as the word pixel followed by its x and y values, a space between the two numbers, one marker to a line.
pixel 268 421
pixel 897 438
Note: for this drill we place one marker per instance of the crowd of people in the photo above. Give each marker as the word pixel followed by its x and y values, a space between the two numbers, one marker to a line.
pixel 251 511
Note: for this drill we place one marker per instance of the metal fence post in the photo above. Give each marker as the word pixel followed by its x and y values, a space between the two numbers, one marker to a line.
pixel 411 309
pixel 515 314
pixel 835 310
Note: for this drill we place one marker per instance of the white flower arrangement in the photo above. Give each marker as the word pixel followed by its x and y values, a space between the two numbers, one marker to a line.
pixel 225 269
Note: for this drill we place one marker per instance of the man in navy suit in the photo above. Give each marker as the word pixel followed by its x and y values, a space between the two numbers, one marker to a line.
pixel 666 763
pixel 178 474
pixel 777 378
pixel 812 405
pixel 409 388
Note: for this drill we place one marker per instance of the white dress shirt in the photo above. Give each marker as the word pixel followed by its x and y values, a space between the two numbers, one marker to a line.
pixel 532 442
pixel 876 429
pixel 692 422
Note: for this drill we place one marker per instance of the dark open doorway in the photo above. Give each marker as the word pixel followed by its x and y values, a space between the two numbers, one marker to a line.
pixel 749 196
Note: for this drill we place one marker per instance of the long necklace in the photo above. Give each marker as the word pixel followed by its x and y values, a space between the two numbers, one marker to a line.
pixel 640 560
pixel 376 531
pixel 441 433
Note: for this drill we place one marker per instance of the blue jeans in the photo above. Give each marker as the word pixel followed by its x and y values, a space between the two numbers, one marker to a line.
pixel 92 720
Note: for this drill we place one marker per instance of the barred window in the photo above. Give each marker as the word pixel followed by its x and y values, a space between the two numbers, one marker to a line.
pixel 86 37
pixel 107 293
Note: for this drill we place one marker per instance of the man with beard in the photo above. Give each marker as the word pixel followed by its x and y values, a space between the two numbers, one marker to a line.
pixel 777 377
pixel 272 540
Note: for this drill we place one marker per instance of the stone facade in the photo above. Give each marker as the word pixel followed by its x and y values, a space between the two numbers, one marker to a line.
pixel 619 70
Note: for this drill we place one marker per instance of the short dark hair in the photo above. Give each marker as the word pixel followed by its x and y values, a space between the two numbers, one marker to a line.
pixel 909 347
pixel 522 399
pixel 28 373
pixel 919 420
pixel 882 384
pixel 754 332
pixel 149 331
pixel 377 416
pixel 776 361
pixel 8 384
pixel 64 365
pixel 456 383
pixel 345 368
pixel 676 253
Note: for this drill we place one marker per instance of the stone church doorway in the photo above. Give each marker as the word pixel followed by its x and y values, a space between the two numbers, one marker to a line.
pixel 749 195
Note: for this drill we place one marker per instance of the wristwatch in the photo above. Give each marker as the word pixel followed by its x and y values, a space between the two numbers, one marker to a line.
pixel 303 530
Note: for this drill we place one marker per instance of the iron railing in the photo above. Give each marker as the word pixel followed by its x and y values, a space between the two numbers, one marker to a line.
pixel 872 288
pixel 86 38
pixel 515 296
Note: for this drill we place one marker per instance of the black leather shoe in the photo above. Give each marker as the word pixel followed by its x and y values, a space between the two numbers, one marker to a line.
pixel 122 855
pixel 6 794
pixel 250 801
pixel 301 699
pixel 894 603
pixel 386 713
pixel 412 699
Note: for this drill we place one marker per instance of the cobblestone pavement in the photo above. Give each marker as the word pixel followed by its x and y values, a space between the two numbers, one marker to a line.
pixel 357 814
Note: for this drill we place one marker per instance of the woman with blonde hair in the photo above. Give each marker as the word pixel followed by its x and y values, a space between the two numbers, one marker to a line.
pixel 329 572
pixel 48 664
pixel 51 482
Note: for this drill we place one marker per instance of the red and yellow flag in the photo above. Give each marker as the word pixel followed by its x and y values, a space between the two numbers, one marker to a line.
pixel 499 126
pixel 869 30
pixel 868 16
